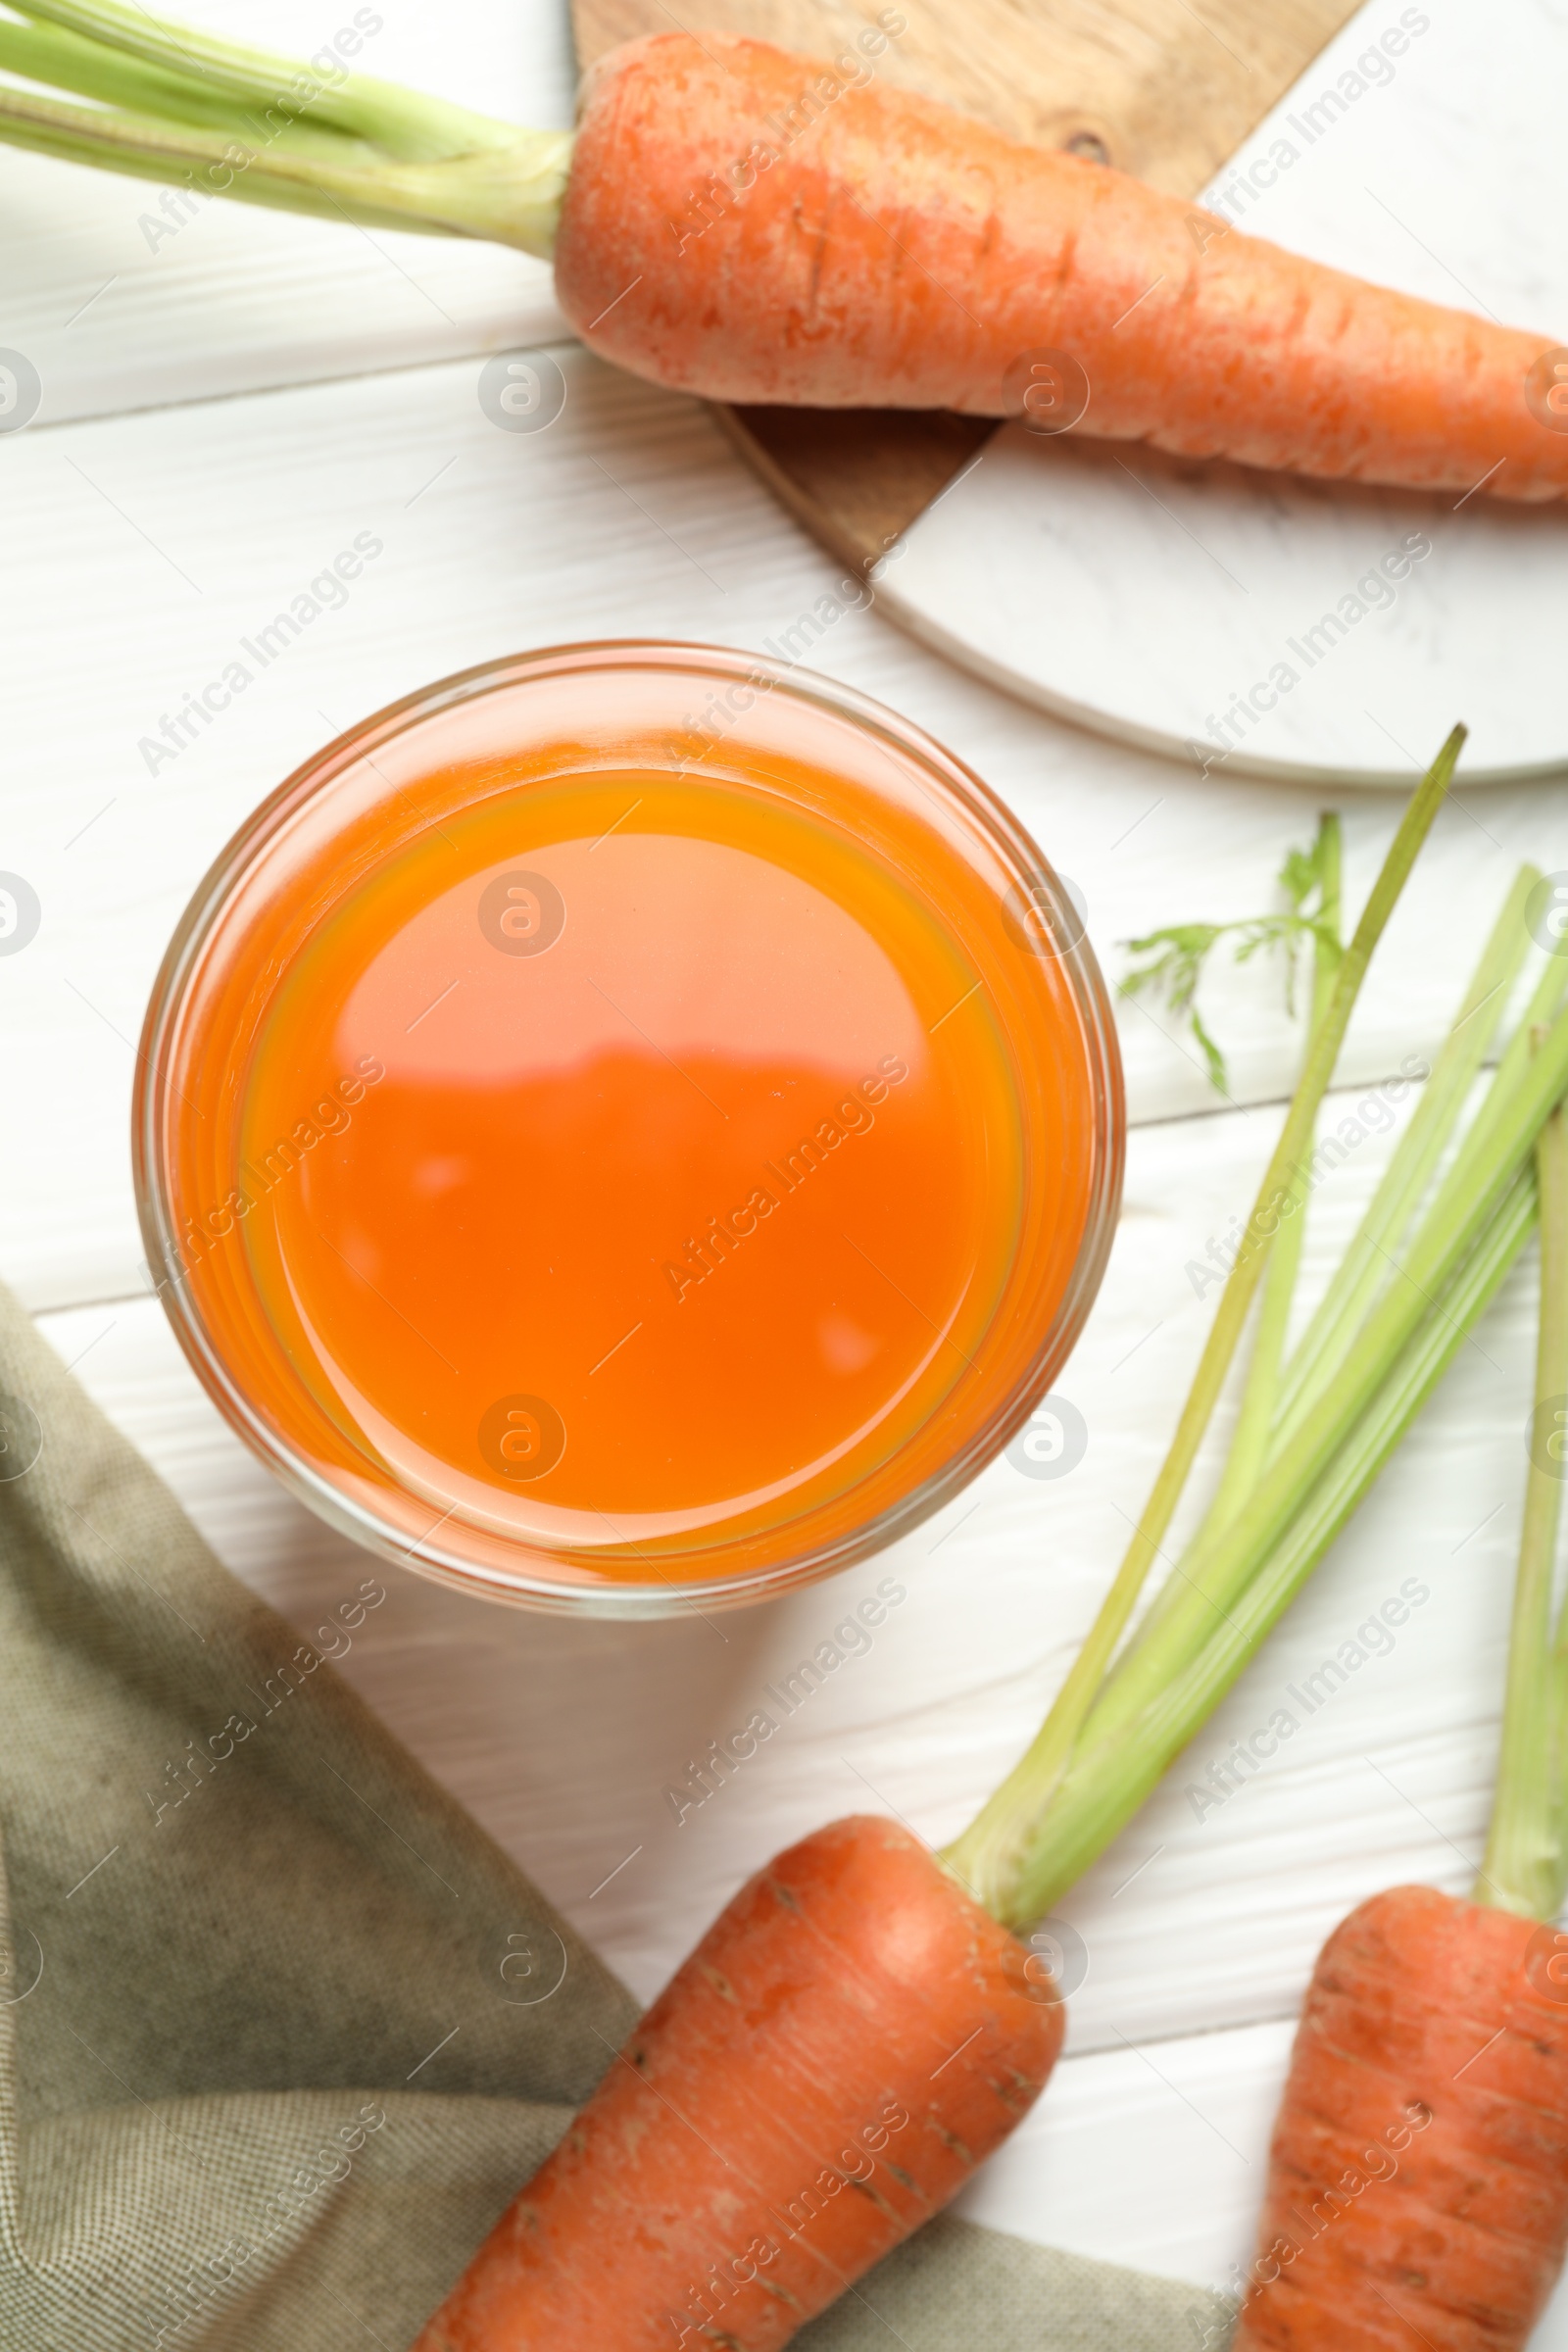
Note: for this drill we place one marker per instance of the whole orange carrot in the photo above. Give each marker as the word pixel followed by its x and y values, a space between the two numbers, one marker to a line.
pixel 848 2040
pixel 758 226
pixel 893 253
pixel 1418 2180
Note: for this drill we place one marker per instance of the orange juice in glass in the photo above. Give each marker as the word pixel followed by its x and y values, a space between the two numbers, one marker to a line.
pixel 630 1125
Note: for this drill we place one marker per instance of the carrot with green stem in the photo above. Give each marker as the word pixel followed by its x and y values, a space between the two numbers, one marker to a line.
pixel 739 222
pixel 863 2024
pixel 1418 2177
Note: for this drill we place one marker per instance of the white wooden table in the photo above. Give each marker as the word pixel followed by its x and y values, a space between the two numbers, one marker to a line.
pixel 223 409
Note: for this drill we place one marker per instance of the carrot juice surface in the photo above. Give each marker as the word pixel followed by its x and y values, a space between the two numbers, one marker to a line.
pixel 628 1163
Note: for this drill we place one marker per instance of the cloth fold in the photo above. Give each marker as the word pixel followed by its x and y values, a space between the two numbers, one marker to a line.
pixel 281 2029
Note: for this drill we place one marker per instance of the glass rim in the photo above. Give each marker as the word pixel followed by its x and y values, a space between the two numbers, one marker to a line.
pixel 524 1587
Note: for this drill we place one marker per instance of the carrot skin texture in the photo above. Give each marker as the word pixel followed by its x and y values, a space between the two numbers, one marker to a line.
pixel 1432 2065
pixel 896 253
pixel 851 2038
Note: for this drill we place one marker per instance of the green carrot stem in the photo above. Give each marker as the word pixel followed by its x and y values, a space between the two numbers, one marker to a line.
pixel 512 196
pixel 1364 1267
pixel 1523 1868
pixel 1255 1416
pixel 1177 1625
pixel 1516 1063
pixel 405 125
pixel 229 121
pixel 1556 1442
pixel 1462 1209
pixel 1332 1333
pixel 1110 1777
pixel 1249 1443
pixel 988 1854
pixel 64 61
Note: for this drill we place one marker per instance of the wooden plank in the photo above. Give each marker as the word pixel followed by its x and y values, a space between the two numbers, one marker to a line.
pixel 1149 2154
pixel 1152 86
pixel 855 479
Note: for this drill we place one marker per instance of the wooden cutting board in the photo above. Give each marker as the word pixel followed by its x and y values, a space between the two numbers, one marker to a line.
pixel 1166 88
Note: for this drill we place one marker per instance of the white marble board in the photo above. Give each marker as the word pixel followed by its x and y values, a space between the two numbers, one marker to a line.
pixel 1289 628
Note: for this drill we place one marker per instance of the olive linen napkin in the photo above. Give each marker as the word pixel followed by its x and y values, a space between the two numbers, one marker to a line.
pixel 282 2031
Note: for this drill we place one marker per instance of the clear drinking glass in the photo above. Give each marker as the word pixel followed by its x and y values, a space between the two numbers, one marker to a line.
pixel 802 896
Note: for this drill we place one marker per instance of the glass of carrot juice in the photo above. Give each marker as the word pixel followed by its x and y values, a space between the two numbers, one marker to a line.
pixel 629 1126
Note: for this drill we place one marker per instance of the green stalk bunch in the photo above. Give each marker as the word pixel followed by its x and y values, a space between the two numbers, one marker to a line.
pixel 1317 1421
pixel 226 120
pixel 1525 1868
